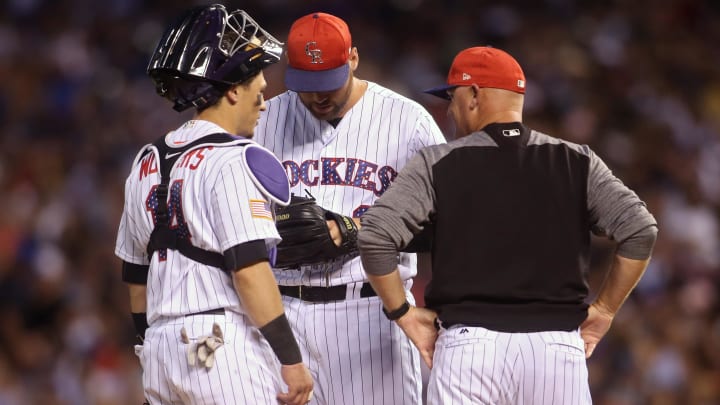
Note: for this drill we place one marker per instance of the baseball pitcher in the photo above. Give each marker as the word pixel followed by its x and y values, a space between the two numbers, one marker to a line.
pixel 342 141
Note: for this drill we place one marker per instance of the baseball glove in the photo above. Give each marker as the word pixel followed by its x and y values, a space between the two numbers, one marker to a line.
pixel 306 240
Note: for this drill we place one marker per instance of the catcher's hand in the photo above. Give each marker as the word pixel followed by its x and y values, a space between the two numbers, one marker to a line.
pixel 305 234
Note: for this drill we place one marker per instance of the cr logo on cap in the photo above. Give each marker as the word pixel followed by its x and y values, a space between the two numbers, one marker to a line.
pixel 313 52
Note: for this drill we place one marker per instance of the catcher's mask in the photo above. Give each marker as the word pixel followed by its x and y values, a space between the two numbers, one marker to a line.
pixel 206 51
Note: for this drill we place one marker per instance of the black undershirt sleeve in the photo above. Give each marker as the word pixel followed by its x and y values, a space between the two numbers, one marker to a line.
pixel 135 273
pixel 245 254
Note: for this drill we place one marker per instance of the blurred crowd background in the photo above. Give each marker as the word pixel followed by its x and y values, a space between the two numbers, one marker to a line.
pixel 638 81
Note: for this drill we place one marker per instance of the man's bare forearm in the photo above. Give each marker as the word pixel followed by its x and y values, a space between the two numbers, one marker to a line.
pixel 622 278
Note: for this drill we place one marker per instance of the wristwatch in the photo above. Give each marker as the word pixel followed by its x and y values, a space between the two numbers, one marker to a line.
pixel 397 313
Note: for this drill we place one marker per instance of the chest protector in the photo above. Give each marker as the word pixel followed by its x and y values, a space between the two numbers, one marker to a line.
pixel 265 170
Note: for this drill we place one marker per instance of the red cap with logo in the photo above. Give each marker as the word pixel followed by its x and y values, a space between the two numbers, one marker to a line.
pixel 318 50
pixel 486 67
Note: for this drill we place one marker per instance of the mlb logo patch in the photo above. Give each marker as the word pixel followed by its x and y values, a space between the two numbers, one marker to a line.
pixel 260 209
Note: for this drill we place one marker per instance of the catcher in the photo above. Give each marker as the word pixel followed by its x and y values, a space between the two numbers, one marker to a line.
pixel 197 214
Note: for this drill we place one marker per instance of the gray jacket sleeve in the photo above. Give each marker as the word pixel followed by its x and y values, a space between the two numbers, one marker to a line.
pixel 618 213
pixel 390 224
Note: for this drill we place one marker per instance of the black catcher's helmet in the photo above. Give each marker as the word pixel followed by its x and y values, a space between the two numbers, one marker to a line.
pixel 206 51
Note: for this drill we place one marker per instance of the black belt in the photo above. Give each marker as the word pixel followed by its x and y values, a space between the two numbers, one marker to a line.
pixel 214 311
pixel 324 294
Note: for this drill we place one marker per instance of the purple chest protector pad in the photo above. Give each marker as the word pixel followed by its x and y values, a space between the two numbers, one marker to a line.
pixel 267 173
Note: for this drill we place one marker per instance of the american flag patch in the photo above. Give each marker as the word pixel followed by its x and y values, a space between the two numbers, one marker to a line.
pixel 260 209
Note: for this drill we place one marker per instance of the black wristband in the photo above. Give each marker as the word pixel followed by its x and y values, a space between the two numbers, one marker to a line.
pixel 141 324
pixel 397 313
pixel 282 340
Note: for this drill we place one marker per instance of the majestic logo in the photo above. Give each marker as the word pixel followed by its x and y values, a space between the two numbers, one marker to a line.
pixel 511 132
pixel 463 331
pixel 313 52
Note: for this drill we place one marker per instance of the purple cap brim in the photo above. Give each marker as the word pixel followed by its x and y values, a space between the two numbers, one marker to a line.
pixel 308 81
pixel 440 91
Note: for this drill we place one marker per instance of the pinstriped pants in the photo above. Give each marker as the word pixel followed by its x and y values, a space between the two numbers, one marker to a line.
pixel 355 355
pixel 245 371
pixel 475 365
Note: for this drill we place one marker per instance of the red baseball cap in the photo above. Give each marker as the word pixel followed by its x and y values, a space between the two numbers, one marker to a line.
pixel 318 49
pixel 486 67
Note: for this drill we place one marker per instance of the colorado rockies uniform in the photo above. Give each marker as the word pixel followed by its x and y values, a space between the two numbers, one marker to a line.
pixel 215 200
pixel 355 354
pixel 510 256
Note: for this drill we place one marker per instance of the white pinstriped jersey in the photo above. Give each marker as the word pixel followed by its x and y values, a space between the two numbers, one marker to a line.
pixel 210 200
pixel 346 168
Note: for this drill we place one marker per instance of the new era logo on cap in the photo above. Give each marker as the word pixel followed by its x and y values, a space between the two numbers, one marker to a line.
pixel 486 67
pixel 318 50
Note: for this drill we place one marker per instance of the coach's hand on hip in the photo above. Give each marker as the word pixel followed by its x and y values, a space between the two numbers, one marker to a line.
pixel 419 325
pixel 595 327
